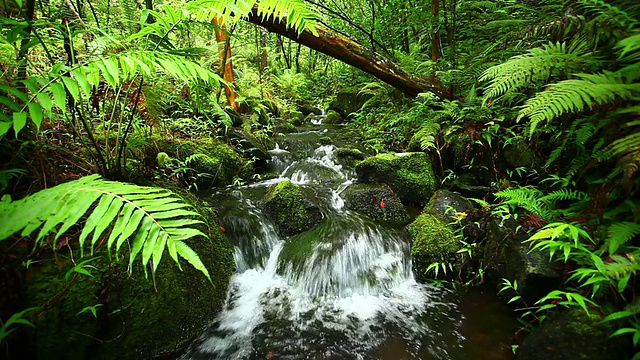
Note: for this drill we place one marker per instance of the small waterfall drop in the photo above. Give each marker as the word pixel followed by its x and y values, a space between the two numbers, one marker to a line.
pixel 341 290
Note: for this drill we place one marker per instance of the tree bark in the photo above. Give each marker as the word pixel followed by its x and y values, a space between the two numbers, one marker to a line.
pixel 354 54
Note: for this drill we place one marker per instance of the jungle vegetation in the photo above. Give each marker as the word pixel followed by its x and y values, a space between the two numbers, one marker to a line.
pixel 106 107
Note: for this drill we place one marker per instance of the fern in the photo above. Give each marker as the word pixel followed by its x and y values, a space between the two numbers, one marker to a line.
pixel 572 96
pixel 154 218
pixel 619 234
pixel 536 67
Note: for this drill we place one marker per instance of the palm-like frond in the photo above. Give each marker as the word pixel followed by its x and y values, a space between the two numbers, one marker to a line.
pixel 154 218
pixel 619 234
pixel 536 67
pixel 576 95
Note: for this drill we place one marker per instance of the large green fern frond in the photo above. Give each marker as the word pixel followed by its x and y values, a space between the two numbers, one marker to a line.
pixel 154 218
pixel 536 67
pixel 609 13
pixel 619 234
pixel 576 95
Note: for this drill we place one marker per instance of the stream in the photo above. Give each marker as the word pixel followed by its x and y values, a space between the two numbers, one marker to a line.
pixel 354 296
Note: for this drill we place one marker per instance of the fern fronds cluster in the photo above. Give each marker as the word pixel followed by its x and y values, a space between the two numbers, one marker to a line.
pixel 536 67
pixel 152 219
pixel 577 95
pixel 534 201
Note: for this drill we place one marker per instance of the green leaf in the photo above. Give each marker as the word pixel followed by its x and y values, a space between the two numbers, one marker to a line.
pixel 4 127
pixel 59 96
pixel 19 121
pixel 72 86
pixel 35 111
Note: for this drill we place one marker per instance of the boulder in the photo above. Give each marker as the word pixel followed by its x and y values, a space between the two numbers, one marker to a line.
pixel 349 156
pixel 296 118
pixel 349 101
pixel 141 317
pixel 289 209
pixel 326 140
pixel 309 110
pixel 573 334
pixel 216 166
pixel 507 257
pixel 432 240
pixel 409 175
pixel 446 204
pixel 376 201
pixel 249 146
pixel 332 117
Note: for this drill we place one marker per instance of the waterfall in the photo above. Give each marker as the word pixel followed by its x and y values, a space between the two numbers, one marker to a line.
pixel 353 296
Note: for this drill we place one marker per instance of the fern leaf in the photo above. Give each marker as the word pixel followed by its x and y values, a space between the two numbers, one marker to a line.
pixel 154 217
pixel 575 95
pixel 619 234
pixel 535 67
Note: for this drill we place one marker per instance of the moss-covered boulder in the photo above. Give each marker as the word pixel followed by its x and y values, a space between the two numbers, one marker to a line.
pixel 332 117
pixel 376 201
pixel 433 241
pixel 409 175
pixel 296 117
pixel 307 109
pixel 447 204
pixel 573 334
pixel 212 162
pixel 137 317
pixel 249 146
pixel 520 154
pixel 348 101
pixel 507 257
pixel 326 140
pixel 289 209
pixel 286 128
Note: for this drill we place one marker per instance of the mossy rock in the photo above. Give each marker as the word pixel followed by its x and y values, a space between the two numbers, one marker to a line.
pixel 135 321
pixel 290 210
pixel 325 140
pixel 409 175
pixel 507 257
pixel 446 204
pixel 216 163
pixel 332 117
pixel 348 101
pixel 574 334
pixel 286 128
pixel 376 201
pixel 432 241
pixel 296 117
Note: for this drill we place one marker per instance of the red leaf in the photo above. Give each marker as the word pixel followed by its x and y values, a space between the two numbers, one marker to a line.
pixel 221 228
pixel 382 204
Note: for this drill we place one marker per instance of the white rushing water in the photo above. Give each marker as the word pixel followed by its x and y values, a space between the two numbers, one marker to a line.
pixel 351 290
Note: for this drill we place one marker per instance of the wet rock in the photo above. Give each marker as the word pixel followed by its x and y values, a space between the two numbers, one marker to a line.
pixel 332 117
pixel 348 101
pixel 286 128
pixel 446 204
pixel 409 175
pixel 432 241
pixel 216 166
pixel 506 256
pixel 326 140
pixel 309 110
pixel 349 156
pixel 296 118
pixel 291 211
pixel 573 334
pixel 376 201
pixel 470 186
pixel 249 147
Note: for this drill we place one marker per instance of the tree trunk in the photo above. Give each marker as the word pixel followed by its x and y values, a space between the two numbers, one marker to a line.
pixel 435 35
pixel 354 54
pixel 226 66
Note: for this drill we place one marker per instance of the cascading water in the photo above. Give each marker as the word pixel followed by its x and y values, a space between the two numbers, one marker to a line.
pixel 351 296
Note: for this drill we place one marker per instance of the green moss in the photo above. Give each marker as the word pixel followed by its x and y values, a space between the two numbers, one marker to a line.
pixel 298 249
pixel 410 175
pixel 433 241
pixel 135 320
pixel 286 128
pixel 326 140
pixel 286 205
pixel 332 117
